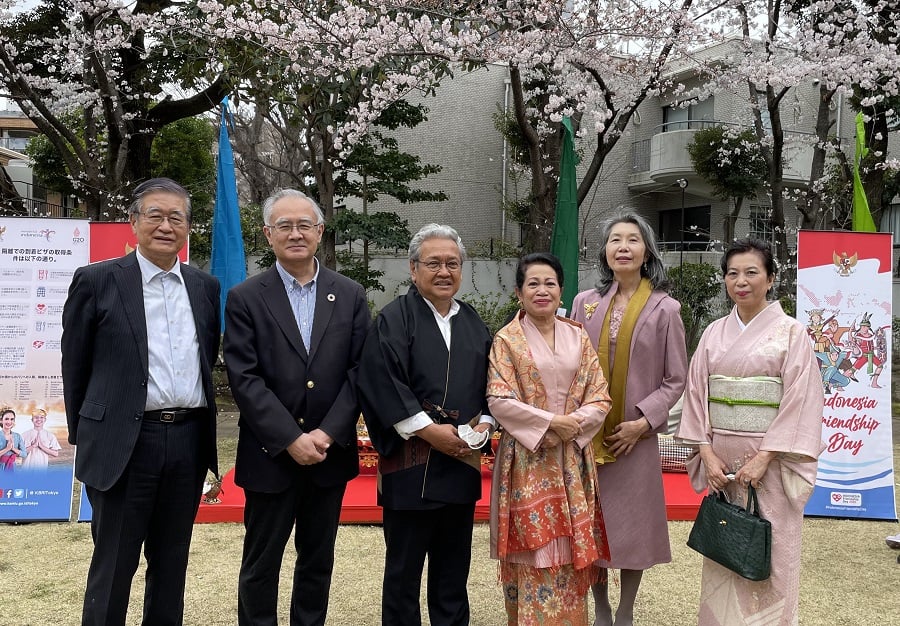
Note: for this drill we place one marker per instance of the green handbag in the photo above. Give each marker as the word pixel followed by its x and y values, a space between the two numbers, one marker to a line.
pixel 733 536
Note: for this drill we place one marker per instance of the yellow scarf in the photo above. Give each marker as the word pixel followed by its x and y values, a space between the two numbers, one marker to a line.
pixel 619 369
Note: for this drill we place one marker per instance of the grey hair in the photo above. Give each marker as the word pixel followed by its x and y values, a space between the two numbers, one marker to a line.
pixel 269 204
pixel 158 185
pixel 653 268
pixel 434 231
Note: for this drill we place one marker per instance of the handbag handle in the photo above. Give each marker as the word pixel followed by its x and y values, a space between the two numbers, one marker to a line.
pixel 752 501
pixel 752 504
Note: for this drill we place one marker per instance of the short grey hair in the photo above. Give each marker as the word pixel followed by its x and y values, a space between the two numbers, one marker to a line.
pixel 269 204
pixel 434 231
pixel 653 268
pixel 158 185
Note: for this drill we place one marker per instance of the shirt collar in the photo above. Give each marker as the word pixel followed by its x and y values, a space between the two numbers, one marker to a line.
pixel 454 308
pixel 289 281
pixel 149 269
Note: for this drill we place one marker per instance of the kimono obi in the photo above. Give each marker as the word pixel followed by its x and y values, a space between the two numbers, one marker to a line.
pixel 743 404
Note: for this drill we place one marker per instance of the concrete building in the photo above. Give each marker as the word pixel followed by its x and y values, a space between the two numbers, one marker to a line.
pixel 641 172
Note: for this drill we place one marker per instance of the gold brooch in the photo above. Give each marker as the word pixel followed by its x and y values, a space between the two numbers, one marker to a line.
pixel 589 309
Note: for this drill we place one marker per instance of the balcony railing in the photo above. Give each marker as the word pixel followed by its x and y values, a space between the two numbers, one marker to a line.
pixel 14 143
pixel 32 207
pixel 664 155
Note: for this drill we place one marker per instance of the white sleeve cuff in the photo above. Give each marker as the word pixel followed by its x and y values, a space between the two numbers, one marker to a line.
pixel 408 427
pixel 487 419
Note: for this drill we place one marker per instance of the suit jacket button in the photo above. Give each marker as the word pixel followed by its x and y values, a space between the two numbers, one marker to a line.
pixel 310 384
pixel 300 421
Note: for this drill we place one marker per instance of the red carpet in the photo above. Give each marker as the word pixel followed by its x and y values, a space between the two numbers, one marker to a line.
pixel 360 508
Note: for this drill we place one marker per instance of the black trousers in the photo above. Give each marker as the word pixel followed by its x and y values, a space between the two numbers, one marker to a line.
pixel 444 535
pixel 153 504
pixel 313 513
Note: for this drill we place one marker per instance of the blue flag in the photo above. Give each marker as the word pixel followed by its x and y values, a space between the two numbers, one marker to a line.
pixel 228 263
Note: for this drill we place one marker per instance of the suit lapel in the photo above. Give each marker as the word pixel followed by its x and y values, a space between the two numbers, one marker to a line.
pixel 199 306
pixel 595 323
pixel 325 301
pixel 130 284
pixel 276 300
pixel 653 302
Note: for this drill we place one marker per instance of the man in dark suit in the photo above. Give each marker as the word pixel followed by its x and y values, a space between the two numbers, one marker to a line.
pixel 140 337
pixel 293 336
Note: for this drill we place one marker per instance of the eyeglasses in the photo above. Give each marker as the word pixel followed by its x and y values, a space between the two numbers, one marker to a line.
pixel 176 220
pixel 286 228
pixel 435 266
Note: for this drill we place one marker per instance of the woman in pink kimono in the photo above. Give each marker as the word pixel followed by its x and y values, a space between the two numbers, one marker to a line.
pixel 629 316
pixel 753 408
pixel 547 391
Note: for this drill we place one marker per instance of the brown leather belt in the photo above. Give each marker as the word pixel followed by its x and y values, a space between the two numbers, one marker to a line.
pixel 170 416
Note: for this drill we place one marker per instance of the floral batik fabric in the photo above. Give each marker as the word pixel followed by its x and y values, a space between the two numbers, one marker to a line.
pixel 547 526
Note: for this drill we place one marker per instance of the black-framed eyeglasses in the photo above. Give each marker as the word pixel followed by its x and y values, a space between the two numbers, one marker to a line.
pixel 176 219
pixel 286 228
pixel 435 266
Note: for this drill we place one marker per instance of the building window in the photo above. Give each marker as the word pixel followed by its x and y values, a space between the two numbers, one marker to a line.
pixel 16 139
pixel 684 117
pixel 760 223
pixel 696 229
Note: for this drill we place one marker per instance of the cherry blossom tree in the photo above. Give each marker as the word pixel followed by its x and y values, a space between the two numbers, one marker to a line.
pixel 841 46
pixel 594 63
pixel 117 68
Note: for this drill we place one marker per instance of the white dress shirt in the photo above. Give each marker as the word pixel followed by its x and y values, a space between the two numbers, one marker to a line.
pixel 408 427
pixel 172 345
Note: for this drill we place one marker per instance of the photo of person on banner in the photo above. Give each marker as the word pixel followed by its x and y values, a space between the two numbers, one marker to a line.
pixel 12 447
pixel 40 444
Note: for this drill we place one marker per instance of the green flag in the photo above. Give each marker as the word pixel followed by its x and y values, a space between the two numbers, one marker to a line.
pixel 564 243
pixel 862 216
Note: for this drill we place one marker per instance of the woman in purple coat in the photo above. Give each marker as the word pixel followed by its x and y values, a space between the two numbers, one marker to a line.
pixel 637 331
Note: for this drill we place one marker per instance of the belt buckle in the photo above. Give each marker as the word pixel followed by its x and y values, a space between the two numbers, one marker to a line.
pixel 167 416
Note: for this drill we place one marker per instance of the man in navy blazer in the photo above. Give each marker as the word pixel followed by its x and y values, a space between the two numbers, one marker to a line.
pixel 293 336
pixel 140 337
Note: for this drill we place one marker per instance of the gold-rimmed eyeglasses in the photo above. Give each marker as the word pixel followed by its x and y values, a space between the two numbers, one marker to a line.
pixel 435 266
pixel 286 228
pixel 176 220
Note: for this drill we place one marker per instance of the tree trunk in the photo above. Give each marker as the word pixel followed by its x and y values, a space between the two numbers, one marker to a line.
pixel 323 172
pixel 138 164
pixel 774 154
pixel 731 220
pixel 811 207
pixel 365 211
pixel 543 162
pixel 873 177
pixel 776 181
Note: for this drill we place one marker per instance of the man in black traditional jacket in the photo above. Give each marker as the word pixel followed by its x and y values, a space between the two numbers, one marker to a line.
pixel 422 376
